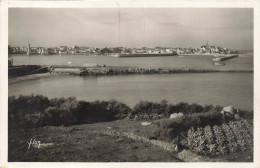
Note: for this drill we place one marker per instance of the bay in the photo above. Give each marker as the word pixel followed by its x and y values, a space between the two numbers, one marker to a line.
pixel 203 88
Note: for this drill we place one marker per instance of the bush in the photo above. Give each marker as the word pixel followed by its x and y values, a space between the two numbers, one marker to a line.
pixel 183 107
pixel 29 104
pixel 35 111
pixel 100 111
pixel 150 110
pixel 155 110
pixel 230 138
pixel 219 136
pixel 25 111
pixel 182 124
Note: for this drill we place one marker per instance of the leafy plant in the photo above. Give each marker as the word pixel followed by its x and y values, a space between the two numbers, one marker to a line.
pixel 226 138
pixel 209 136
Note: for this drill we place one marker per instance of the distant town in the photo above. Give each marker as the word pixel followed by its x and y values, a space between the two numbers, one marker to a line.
pixel 204 49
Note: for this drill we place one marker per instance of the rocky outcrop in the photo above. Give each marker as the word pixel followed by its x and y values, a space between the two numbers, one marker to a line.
pixel 230 111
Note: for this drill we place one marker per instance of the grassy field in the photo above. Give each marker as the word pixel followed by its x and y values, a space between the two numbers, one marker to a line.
pixel 88 143
pixel 84 143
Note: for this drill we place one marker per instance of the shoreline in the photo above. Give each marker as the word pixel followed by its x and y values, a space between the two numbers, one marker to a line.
pixel 29 77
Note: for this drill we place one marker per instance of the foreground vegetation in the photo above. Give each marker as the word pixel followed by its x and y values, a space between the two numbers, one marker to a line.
pixel 202 129
pixel 37 111
pixel 224 139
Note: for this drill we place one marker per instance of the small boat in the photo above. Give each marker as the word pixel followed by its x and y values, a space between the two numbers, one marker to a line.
pixel 224 57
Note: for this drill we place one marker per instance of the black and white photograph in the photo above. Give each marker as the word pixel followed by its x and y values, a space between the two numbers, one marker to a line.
pixel 130 84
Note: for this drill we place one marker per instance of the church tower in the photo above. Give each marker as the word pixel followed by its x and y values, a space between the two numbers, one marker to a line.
pixel 29 49
pixel 207 46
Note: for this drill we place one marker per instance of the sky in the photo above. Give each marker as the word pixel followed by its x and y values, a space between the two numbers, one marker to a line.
pixel 131 27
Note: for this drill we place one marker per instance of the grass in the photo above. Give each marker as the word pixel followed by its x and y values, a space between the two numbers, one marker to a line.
pixel 83 143
pixel 86 143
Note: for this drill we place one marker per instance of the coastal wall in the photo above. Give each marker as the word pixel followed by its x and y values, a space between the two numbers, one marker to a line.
pixel 171 147
pixel 114 70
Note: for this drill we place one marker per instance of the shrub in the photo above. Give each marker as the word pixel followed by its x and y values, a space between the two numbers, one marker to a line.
pixel 221 148
pixel 150 110
pixel 195 108
pixel 209 137
pixel 207 108
pixel 29 104
pixel 182 124
pixel 117 109
pixel 35 111
pixel 238 132
pixel 183 107
pixel 246 114
pixel 24 111
pixel 154 110
pixel 230 137
pixel 190 138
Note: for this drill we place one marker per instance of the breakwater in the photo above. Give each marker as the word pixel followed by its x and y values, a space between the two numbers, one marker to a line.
pixel 147 55
pixel 120 70
pixel 114 70
pixel 23 70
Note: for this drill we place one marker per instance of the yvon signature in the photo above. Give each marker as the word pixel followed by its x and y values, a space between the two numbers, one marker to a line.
pixel 38 144
pixel 33 142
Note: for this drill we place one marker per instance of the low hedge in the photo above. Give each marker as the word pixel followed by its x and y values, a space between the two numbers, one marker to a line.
pixel 36 111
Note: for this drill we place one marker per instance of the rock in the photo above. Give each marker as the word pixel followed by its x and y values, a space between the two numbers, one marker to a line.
pixel 228 109
pixel 145 123
pixel 237 117
pixel 176 115
pixel 180 114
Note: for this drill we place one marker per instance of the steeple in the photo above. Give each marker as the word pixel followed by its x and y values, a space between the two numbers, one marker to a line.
pixel 207 45
pixel 29 49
